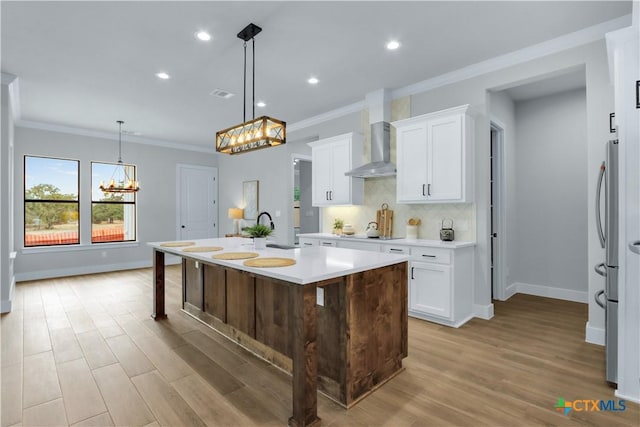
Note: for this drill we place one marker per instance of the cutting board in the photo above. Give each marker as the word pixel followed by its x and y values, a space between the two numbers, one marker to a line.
pixel 384 219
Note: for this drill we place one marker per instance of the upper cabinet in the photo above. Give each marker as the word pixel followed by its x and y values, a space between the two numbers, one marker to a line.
pixel 435 157
pixel 331 158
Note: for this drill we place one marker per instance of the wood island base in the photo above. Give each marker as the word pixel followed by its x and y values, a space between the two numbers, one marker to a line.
pixel 344 336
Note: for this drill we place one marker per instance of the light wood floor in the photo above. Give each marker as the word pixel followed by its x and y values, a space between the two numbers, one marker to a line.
pixel 83 351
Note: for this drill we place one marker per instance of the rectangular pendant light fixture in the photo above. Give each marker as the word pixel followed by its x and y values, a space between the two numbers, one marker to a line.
pixel 255 134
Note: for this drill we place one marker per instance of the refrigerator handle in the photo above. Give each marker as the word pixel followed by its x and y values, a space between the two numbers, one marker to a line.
pixel 599 268
pixel 635 247
pixel 598 193
pixel 597 298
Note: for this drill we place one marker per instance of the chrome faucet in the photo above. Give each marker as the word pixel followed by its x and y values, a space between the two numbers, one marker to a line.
pixel 273 227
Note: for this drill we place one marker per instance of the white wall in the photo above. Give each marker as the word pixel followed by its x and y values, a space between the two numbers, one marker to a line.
pixel 7 278
pixel 550 221
pixel 156 170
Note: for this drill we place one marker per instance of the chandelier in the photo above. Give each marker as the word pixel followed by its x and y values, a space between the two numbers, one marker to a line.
pixel 257 133
pixel 121 181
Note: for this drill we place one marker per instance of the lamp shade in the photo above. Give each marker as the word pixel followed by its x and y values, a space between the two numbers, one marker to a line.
pixel 236 213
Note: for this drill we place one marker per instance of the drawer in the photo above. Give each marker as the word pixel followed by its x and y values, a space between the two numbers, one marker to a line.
pixel 331 243
pixel 395 249
pixel 440 256
pixel 304 242
pixel 361 246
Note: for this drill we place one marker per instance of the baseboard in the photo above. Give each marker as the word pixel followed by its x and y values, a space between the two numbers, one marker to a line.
pixel 483 311
pixel 594 335
pixel 552 292
pixel 635 399
pixel 510 291
pixel 86 269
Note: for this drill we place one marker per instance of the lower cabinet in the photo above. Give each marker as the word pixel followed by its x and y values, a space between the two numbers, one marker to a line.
pixel 430 289
pixel 440 278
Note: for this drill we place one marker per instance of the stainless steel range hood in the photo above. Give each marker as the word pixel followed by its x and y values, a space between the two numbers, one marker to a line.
pixel 379 104
pixel 380 164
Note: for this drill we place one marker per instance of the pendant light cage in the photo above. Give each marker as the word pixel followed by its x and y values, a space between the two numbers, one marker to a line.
pixel 258 133
pixel 123 179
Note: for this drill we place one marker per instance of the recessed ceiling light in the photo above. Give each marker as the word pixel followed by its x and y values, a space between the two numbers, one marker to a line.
pixel 162 75
pixel 261 104
pixel 203 35
pixel 313 81
pixel 393 45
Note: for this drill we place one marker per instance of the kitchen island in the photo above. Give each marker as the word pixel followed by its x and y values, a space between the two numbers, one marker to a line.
pixel 336 319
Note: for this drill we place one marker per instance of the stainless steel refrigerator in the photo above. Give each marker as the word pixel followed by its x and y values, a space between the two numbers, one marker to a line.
pixel 607 298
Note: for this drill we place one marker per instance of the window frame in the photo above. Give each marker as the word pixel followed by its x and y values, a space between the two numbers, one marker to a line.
pixel 133 203
pixel 25 201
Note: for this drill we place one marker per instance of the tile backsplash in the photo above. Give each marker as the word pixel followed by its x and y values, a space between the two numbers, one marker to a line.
pixel 383 190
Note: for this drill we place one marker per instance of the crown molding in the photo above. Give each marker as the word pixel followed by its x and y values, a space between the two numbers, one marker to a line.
pixel 13 86
pixel 549 47
pixel 112 136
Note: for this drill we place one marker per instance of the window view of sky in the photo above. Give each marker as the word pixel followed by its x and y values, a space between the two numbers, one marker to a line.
pixel 58 172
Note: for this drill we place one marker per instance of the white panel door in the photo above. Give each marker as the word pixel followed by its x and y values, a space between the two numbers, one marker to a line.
pixel 197 202
pixel 321 175
pixel 444 158
pixel 412 163
pixel 430 289
pixel 340 192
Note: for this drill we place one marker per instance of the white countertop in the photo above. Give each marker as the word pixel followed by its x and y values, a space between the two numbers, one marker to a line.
pixel 404 242
pixel 313 264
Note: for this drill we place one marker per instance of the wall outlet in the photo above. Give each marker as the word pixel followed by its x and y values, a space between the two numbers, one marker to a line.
pixel 278 214
pixel 320 296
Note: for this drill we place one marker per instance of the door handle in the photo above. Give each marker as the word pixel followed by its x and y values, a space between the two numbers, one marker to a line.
pixel 428 189
pixel 598 269
pixel 331 195
pixel 326 195
pixel 635 247
pixel 423 187
pixel 596 297
pixel 182 226
pixel 412 278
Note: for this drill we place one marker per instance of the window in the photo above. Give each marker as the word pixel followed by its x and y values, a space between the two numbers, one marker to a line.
pixel 51 214
pixel 113 215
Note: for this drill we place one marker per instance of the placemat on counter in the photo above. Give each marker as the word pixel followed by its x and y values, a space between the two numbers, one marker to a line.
pixel 177 244
pixel 235 255
pixel 203 249
pixel 270 262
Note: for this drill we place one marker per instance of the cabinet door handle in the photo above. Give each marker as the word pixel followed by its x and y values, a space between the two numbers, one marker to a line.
pixel 307 244
pixel 428 256
pixel 428 189
pixel 326 195
pixel 326 244
pixel 331 195
pixel 423 193
pixel 395 250
pixel 412 278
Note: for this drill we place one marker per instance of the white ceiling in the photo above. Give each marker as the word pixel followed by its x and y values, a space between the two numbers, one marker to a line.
pixel 88 64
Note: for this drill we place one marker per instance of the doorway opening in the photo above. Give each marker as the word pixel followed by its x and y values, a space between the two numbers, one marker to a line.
pixel 496 209
pixel 306 218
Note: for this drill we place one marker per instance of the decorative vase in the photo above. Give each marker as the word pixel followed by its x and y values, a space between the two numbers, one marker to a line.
pixel 260 242
pixel 337 231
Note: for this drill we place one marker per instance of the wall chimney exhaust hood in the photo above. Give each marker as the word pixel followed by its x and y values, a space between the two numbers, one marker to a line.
pixel 379 104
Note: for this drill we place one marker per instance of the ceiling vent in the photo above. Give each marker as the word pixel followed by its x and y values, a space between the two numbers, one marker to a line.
pixel 221 93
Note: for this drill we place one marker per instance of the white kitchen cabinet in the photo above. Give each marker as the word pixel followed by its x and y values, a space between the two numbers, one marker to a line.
pixel 435 157
pixel 430 289
pixel 331 158
pixel 441 285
